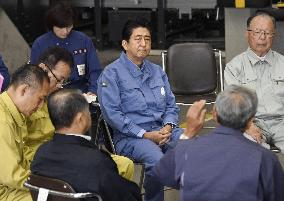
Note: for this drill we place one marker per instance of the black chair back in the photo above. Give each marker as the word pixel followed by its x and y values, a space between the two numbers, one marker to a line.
pixel 191 68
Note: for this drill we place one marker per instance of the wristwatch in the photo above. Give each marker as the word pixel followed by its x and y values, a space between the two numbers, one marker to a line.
pixel 172 125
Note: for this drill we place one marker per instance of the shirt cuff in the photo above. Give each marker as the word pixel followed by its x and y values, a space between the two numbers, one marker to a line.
pixel 170 123
pixel 183 137
pixel 141 133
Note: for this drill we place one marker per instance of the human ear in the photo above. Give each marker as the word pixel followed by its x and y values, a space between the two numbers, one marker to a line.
pixel 124 44
pixel 214 114
pixel 23 89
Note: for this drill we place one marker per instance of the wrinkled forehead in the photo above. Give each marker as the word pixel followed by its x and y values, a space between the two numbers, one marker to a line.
pixel 262 22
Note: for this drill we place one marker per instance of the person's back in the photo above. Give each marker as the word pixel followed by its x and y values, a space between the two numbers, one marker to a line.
pixel 81 164
pixel 71 156
pixel 223 165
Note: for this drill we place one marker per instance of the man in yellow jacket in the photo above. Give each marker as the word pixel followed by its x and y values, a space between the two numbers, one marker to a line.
pixel 15 105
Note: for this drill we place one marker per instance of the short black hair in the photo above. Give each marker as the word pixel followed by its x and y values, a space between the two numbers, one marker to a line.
pixel 133 24
pixel 60 15
pixel 261 13
pixel 64 105
pixel 29 74
pixel 53 55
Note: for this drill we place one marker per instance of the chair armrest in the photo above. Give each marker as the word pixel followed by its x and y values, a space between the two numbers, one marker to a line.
pixel 63 194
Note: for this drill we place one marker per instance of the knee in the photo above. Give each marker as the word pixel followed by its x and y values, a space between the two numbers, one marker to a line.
pixel 125 166
pixel 152 158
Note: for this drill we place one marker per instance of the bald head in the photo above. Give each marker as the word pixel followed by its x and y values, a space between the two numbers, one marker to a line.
pixel 64 105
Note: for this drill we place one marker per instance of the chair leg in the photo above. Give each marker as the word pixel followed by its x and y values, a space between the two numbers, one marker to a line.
pixel 142 175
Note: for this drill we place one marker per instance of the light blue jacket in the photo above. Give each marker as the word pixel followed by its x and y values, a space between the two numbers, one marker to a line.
pixel 135 100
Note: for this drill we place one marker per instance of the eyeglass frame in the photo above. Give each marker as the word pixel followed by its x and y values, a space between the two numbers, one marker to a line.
pixel 62 82
pixel 266 34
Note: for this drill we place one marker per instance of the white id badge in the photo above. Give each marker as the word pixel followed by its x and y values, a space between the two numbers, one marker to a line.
pixel 81 69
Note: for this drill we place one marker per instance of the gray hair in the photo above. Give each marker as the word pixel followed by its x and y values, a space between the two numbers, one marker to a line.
pixel 262 14
pixel 235 106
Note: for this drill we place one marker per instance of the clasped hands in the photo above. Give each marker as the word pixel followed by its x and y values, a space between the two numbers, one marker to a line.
pixel 161 136
pixel 195 119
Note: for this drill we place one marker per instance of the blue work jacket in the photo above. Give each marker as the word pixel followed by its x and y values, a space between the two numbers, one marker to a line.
pixel 84 56
pixel 222 166
pixel 135 100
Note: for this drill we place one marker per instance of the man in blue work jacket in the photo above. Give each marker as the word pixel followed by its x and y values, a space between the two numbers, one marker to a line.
pixel 223 165
pixel 86 68
pixel 137 102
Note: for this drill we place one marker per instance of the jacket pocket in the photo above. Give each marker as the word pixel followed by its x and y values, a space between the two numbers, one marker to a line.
pixel 159 91
pixel 132 98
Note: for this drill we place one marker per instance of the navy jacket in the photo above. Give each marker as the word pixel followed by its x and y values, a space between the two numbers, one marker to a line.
pixel 87 169
pixel 5 73
pixel 84 57
pixel 222 166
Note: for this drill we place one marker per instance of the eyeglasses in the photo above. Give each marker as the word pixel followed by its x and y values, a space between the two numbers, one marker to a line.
pixel 62 82
pixel 258 33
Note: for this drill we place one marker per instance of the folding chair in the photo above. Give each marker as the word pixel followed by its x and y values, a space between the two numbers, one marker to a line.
pixel 50 189
pixel 104 131
pixel 193 73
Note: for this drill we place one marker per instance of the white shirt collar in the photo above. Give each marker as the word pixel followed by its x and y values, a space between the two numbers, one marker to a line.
pixel 260 58
pixel 80 135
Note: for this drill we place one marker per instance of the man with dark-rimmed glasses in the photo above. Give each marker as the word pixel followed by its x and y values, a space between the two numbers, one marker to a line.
pixel 57 63
pixel 60 82
pixel 261 69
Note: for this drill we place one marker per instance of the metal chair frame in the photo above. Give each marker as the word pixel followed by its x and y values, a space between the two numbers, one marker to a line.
pixel 69 194
pixel 108 142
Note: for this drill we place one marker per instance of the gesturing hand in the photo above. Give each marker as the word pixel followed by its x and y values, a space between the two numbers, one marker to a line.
pixel 195 118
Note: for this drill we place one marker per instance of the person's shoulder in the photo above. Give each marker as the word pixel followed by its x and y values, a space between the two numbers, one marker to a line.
pixel 44 37
pixel 277 55
pixel 155 68
pixel 114 66
pixel 80 35
pixel 153 65
pixel 6 108
pixel 5 116
pixel 257 148
pixel 237 59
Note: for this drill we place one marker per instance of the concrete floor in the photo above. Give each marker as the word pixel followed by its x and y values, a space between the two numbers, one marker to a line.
pixel 106 57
